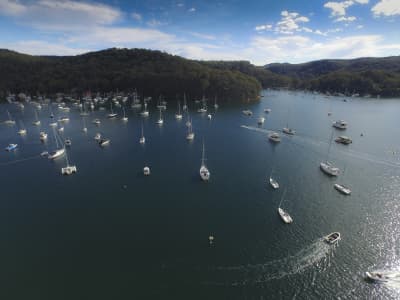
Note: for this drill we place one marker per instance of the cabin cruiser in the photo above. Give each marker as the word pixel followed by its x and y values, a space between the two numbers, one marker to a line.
pixel 68 170
pixel 146 171
pixel 55 154
pixel 261 120
pixel 285 216
pixel 343 140
pixel 274 137
pixel 247 112
pixel 288 131
pixel 343 189
pixel 273 183
pixel 332 238
pixel 340 124
pixel 22 131
pixel 11 147
pixel 43 136
pixel 329 169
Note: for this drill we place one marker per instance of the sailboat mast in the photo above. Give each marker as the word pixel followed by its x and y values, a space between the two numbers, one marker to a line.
pixel 330 144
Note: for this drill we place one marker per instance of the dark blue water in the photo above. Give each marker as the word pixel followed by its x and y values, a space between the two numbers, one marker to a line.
pixel 108 232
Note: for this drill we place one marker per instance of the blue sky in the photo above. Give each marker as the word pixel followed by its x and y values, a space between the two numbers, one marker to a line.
pixel 260 31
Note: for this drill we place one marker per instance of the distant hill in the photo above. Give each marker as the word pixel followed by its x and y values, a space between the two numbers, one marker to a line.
pixel 150 72
pixel 374 76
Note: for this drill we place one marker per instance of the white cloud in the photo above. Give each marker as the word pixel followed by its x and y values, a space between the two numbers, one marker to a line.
pixel 290 22
pixel 360 26
pixel 386 8
pixel 192 9
pixel 155 23
pixel 11 8
pixel 36 47
pixel 338 8
pixel 136 16
pixel 362 1
pixel 202 35
pixel 346 19
pixel 263 27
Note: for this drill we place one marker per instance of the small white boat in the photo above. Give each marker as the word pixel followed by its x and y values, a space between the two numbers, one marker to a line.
pixel 274 137
pixel 345 140
pixel 202 110
pixel 340 124
pixel 209 116
pixel 204 172
pixel 285 216
pixel 288 131
pixel 111 115
pixel 84 129
pixel 43 136
pixel 260 120
pixel 329 169
pixel 343 189
pixel 142 139
pixel 247 112
pixel 97 137
pixel 96 121
pixel 10 121
pixel 61 129
pixel 22 131
pixel 382 276
pixel 104 142
pixel 11 147
pixel 179 115
pixel 53 124
pixel 267 110
pixel 273 183
pixel 63 119
pixel 146 171
pixel 56 153
pixel 68 170
pixel 160 121
pixel 36 123
pixel 190 134
pixel 124 118
pixel 332 238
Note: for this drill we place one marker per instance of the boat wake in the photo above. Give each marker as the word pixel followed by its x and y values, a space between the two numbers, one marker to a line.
pixel 317 254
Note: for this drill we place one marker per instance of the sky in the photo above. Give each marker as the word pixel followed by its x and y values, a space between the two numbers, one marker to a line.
pixel 259 31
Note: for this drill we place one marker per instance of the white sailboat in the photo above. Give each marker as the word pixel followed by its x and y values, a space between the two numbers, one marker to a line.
pixel 160 120
pixel 203 109
pixel 142 139
pixel 112 114
pixel 37 121
pixel 287 129
pixel 10 121
pixel 215 103
pixel 282 213
pixel 58 152
pixel 190 134
pixel 84 129
pixel 327 167
pixel 178 115
pixel 22 129
pixel 68 170
pixel 204 172
pixel 184 107
pixel 125 118
pixel 145 112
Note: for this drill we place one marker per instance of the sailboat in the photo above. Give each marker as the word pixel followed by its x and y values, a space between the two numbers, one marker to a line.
pixel 282 213
pixel 345 190
pixel 125 118
pixel 10 121
pixel 178 115
pixel 184 107
pixel 83 111
pixel 145 112
pixel 22 129
pixel 190 135
pixel 68 170
pixel 215 103
pixel 37 121
pixel 160 121
pixel 327 167
pixel 287 129
pixel 112 114
pixel 59 151
pixel 84 129
pixel 142 139
pixel 203 109
pixel 204 172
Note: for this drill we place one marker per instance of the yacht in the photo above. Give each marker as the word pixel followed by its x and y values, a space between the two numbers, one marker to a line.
pixel 288 131
pixel 145 112
pixel 96 121
pixel 111 115
pixel 382 276
pixel 22 131
pixel 209 116
pixel 97 137
pixel 10 121
pixel 160 121
pixel 37 121
pixel 53 124
pixel 204 172
pixel 142 139
pixel 285 216
pixel 261 120
pixel 343 189
pixel 273 183
pixel 215 103
pixel 340 124
pixel 345 140
pixel 56 153
pixel 329 169
pixel 203 109
pixel 125 118
pixel 247 112
pixel 63 119
pixel 68 142
pixel 61 129
pixel 179 115
pixel 68 170
pixel 11 147
pixel 184 107
pixel 274 137
pixel 104 142
pixel 43 136
pixel 190 135
pixel 332 238
pixel 146 171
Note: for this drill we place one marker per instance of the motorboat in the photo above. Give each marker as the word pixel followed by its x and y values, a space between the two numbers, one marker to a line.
pixel 332 238
pixel 343 140
pixel 22 131
pixel 146 171
pixel 273 183
pixel 63 119
pixel 53 124
pixel 267 110
pixel 209 116
pixel 329 169
pixel 36 123
pixel 340 124
pixel 343 189
pixel 274 137
pixel 112 115
pixel 377 276
pixel 288 131
pixel 97 137
pixel 68 170
pixel 56 153
pixel 96 121
pixel 43 136
pixel 104 142
pixel 190 134
pixel 11 147
pixel 285 216
pixel 260 120
pixel 204 172
pixel 247 112
pixel 61 129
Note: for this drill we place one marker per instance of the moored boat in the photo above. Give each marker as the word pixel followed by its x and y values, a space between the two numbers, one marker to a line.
pixel 332 238
pixel 274 137
pixel 11 147
pixel 343 189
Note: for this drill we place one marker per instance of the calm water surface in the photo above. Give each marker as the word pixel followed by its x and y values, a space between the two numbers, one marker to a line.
pixel 108 232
